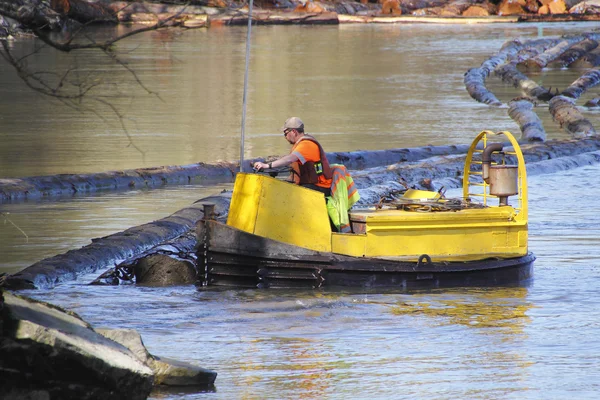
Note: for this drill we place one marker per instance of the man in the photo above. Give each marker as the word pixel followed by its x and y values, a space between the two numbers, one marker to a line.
pixel 310 167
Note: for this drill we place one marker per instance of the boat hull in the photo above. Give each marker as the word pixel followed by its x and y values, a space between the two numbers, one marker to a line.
pixel 234 258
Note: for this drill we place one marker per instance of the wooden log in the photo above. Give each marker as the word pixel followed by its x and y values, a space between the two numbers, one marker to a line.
pixel 475 77
pixel 511 7
pixel 480 10
pixel 451 9
pixel 32 14
pixel 558 18
pixel 510 74
pixel 475 83
pixel 565 113
pixel 552 7
pixel 83 11
pixel 124 7
pixel 272 18
pixel 521 111
pixel 575 52
pixel 391 7
pixel 408 6
pixel 585 7
pixel 589 60
pixel 542 60
pixel 589 79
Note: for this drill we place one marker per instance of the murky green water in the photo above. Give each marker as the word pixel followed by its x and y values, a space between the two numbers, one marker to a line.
pixel 356 87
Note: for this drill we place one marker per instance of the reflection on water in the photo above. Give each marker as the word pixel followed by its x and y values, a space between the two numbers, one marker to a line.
pixel 487 308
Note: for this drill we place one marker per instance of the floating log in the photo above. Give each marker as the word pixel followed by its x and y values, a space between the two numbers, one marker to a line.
pixel 475 84
pixel 589 60
pixel 565 113
pixel 542 60
pixel 593 103
pixel 574 53
pixel 589 79
pixel 510 74
pixel 475 77
pixel 521 111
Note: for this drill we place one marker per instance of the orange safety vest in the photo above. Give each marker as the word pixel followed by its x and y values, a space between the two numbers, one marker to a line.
pixel 315 172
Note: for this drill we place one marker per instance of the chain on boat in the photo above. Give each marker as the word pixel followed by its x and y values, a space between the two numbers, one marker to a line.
pixel 394 200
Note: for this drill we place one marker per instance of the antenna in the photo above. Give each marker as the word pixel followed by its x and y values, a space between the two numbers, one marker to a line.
pixel 244 102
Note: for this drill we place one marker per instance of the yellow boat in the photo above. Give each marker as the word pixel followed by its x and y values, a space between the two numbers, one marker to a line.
pixel 278 234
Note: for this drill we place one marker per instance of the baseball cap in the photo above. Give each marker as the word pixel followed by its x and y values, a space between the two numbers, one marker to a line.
pixel 292 123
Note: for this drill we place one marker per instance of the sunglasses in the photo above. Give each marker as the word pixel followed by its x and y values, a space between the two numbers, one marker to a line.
pixel 285 133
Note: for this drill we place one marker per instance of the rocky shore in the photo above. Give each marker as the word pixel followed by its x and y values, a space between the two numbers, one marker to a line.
pixel 50 353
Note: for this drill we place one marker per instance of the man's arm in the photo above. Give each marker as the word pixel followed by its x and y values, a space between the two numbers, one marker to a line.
pixel 282 162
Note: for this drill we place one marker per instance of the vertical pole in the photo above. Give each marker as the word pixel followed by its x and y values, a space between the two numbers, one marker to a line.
pixel 245 85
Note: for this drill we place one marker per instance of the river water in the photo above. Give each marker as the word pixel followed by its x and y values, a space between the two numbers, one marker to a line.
pixel 356 87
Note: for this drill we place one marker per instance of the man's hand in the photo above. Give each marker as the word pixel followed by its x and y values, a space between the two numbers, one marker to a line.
pixel 260 166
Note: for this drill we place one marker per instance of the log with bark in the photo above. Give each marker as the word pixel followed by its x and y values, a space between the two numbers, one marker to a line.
pixel 584 82
pixel 483 9
pixel 32 14
pixel 574 53
pixel 30 188
pixel 521 110
pixel 84 11
pixel 565 113
pixel 475 77
pixel 589 60
pixel 542 60
pixel 510 74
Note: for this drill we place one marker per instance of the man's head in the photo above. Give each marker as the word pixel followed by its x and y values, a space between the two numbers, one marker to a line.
pixel 292 128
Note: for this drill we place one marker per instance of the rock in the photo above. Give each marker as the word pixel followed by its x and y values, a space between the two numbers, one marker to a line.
pixel 50 353
pixel 57 355
pixel 166 371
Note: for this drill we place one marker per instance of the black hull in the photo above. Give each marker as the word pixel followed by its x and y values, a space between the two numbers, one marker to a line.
pixel 234 258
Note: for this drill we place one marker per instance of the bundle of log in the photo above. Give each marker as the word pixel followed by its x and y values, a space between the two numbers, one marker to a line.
pixel 579 51
pixel 49 13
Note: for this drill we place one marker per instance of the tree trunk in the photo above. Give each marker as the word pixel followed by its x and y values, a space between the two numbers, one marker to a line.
pixel 521 111
pixel 565 113
pixel 84 12
pixel 510 74
pixel 541 60
pixel 574 53
pixel 589 79
pixel 589 60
